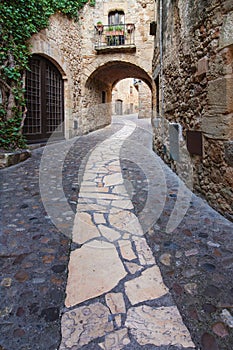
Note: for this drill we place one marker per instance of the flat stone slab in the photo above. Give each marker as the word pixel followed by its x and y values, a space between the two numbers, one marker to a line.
pixel 160 326
pixel 126 250
pixel 110 234
pixel 84 229
pixel 84 324
pixel 144 252
pixel 113 179
pixel 116 340
pixel 115 302
pixel 89 271
pixel 126 221
pixel 148 286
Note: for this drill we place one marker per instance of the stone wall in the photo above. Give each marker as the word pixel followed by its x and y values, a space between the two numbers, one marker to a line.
pixel 145 102
pixel 198 92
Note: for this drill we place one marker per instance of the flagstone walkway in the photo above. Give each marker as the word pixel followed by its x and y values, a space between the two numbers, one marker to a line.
pixel 115 292
pixel 103 247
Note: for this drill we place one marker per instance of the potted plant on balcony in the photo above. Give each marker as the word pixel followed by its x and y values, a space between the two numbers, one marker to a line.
pixel 130 27
pixel 115 35
pixel 115 30
pixel 100 26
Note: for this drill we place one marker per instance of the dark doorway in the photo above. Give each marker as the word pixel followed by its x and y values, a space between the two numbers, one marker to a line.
pixel 44 100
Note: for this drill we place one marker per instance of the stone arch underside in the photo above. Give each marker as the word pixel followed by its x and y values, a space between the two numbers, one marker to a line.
pixel 112 72
pixel 103 78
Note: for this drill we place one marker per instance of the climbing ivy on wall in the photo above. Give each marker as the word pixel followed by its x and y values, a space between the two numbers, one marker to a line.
pixel 19 20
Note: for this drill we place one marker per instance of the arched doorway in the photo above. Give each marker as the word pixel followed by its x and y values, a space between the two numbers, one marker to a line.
pixel 44 100
pixel 119 107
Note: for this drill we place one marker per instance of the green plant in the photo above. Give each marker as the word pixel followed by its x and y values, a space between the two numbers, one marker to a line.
pixel 19 20
pixel 119 28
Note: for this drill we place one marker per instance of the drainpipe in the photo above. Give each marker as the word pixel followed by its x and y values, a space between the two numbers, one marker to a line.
pixel 161 71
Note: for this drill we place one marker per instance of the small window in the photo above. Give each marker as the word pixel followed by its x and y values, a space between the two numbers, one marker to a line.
pixel 116 17
pixel 103 96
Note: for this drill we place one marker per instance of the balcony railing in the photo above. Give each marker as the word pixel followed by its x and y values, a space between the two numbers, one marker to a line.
pixel 122 35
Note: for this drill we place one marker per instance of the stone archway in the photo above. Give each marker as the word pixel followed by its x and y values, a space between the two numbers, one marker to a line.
pixel 52 53
pixel 104 77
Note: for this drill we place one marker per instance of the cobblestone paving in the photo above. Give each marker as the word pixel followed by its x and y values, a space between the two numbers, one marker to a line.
pixel 195 259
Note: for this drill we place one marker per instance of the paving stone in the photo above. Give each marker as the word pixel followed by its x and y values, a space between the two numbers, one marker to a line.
pixel 122 204
pixel 99 218
pixel 209 342
pixel 84 229
pixel 6 282
pixel 96 262
pixel 191 288
pixel 21 276
pixel 116 340
pixel 165 259
pixel 109 233
pixel 126 221
pixel 144 252
pixel 227 318
pixel 115 302
pixel 113 179
pixel 126 250
pixel 148 286
pixel 133 267
pixel 84 324
pixel 220 329
pixel 158 326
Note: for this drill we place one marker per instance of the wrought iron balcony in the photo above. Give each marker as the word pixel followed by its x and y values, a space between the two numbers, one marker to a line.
pixel 114 37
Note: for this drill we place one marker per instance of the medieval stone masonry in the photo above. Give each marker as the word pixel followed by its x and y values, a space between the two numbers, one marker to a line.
pixel 195 86
pixel 89 73
pixel 188 89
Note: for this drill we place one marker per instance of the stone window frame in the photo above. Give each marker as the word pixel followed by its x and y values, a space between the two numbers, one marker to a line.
pixel 114 17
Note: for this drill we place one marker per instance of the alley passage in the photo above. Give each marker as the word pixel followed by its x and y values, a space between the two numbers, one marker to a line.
pixel 102 289
pixel 115 294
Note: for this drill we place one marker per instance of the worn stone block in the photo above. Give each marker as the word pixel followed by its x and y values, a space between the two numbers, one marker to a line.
pixel 226 38
pixel 202 66
pixel 11 158
pixel 229 152
pixel 227 5
pixel 220 95
pixel 217 126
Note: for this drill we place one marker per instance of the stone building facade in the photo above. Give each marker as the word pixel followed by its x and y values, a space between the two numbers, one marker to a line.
pixel 132 96
pixel 89 74
pixel 194 77
pixel 125 97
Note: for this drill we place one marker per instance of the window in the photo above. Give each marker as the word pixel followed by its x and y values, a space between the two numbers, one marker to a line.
pixel 116 17
pixel 103 96
pixel 44 100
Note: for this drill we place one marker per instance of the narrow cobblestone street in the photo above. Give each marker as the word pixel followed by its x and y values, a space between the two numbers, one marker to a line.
pixel 103 247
